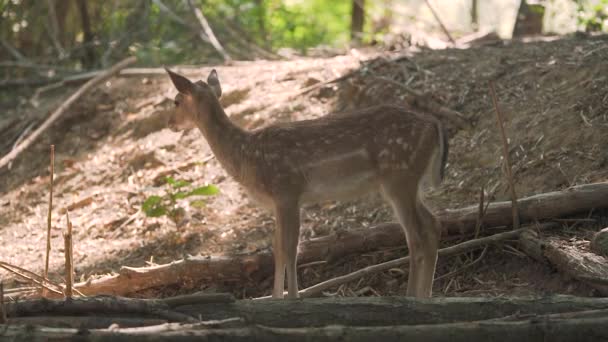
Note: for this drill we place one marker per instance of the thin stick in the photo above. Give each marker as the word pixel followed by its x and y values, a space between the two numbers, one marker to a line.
pixel 2 307
pixel 445 30
pixel 69 265
pixel 465 267
pixel 48 222
pixel 444 252
pixel 209 32
pixel 100 78
pixel 31 277
pixel 481 212
pixel 505 151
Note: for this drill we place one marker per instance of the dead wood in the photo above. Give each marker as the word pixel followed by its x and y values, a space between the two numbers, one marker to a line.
pixel 574 200
pixel 572 261
pixel 88 321
pixel 69 258
pixel 460 248
pixel 208 32
pixel 63 107
pixel 440 22
pixel 369 311
pixel 96 305
pixel 364 319
pixel 599 242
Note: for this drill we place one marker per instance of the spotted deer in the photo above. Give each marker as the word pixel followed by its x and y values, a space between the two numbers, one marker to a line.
pixel 336 157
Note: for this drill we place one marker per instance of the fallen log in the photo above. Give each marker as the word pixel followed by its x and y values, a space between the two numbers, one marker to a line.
pixel 317 312
pixel 574 200
pixel 377 311
pixel 509 319
pixel 99 305
pixel 574 262
pixel 539 328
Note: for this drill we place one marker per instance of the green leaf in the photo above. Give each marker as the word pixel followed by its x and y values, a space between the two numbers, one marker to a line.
pixel 208 190
pixel 177 183
pixel 153 207
pixel 198 203
pixel 180 195
pixel 157 211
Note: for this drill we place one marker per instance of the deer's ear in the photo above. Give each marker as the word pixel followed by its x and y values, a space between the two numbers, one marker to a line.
pixel 214 83
pixel 182 84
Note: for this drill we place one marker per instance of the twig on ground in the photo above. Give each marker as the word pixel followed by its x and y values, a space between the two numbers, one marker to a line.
pixel 49 217
pixel 465 267
pixel 466 246
pixel 505 150
pixel 481 213
pixel 32 277
pixel 445 30
pixel 100 78
pixel 68 252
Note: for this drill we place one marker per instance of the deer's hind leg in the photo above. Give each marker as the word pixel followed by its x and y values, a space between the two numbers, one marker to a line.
pixel 286 248
pixel 421 231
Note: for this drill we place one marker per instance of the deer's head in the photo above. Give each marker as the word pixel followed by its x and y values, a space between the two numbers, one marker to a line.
pixel 194 100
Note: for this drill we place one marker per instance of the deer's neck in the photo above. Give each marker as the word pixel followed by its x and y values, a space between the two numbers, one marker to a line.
pixel 225 138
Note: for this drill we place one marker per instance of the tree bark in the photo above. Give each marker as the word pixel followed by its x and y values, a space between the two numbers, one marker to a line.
pixel 474 18
pixel 362 319
pixel 539 328
pixel 574 200
pixel 529 20
pixel 88 59
pixel 574 262
pixel 357 20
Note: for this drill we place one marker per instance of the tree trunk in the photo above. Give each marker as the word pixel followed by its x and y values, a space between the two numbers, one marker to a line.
pixel 529 20
pixel 88 59
pixel 357 20
pixel 474 17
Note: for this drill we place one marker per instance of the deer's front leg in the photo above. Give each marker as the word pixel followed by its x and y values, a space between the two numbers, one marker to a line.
pixel 279 262
pixel 288 228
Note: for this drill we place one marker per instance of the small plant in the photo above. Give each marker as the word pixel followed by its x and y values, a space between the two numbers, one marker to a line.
pixel 166 205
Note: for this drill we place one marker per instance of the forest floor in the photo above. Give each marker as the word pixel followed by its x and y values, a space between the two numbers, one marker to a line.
pixel 113 150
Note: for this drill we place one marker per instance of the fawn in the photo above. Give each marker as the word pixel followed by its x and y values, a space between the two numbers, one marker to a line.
pixel 284 166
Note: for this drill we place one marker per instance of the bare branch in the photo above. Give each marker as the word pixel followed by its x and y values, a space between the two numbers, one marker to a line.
pixel 209 32
pixel 59 111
